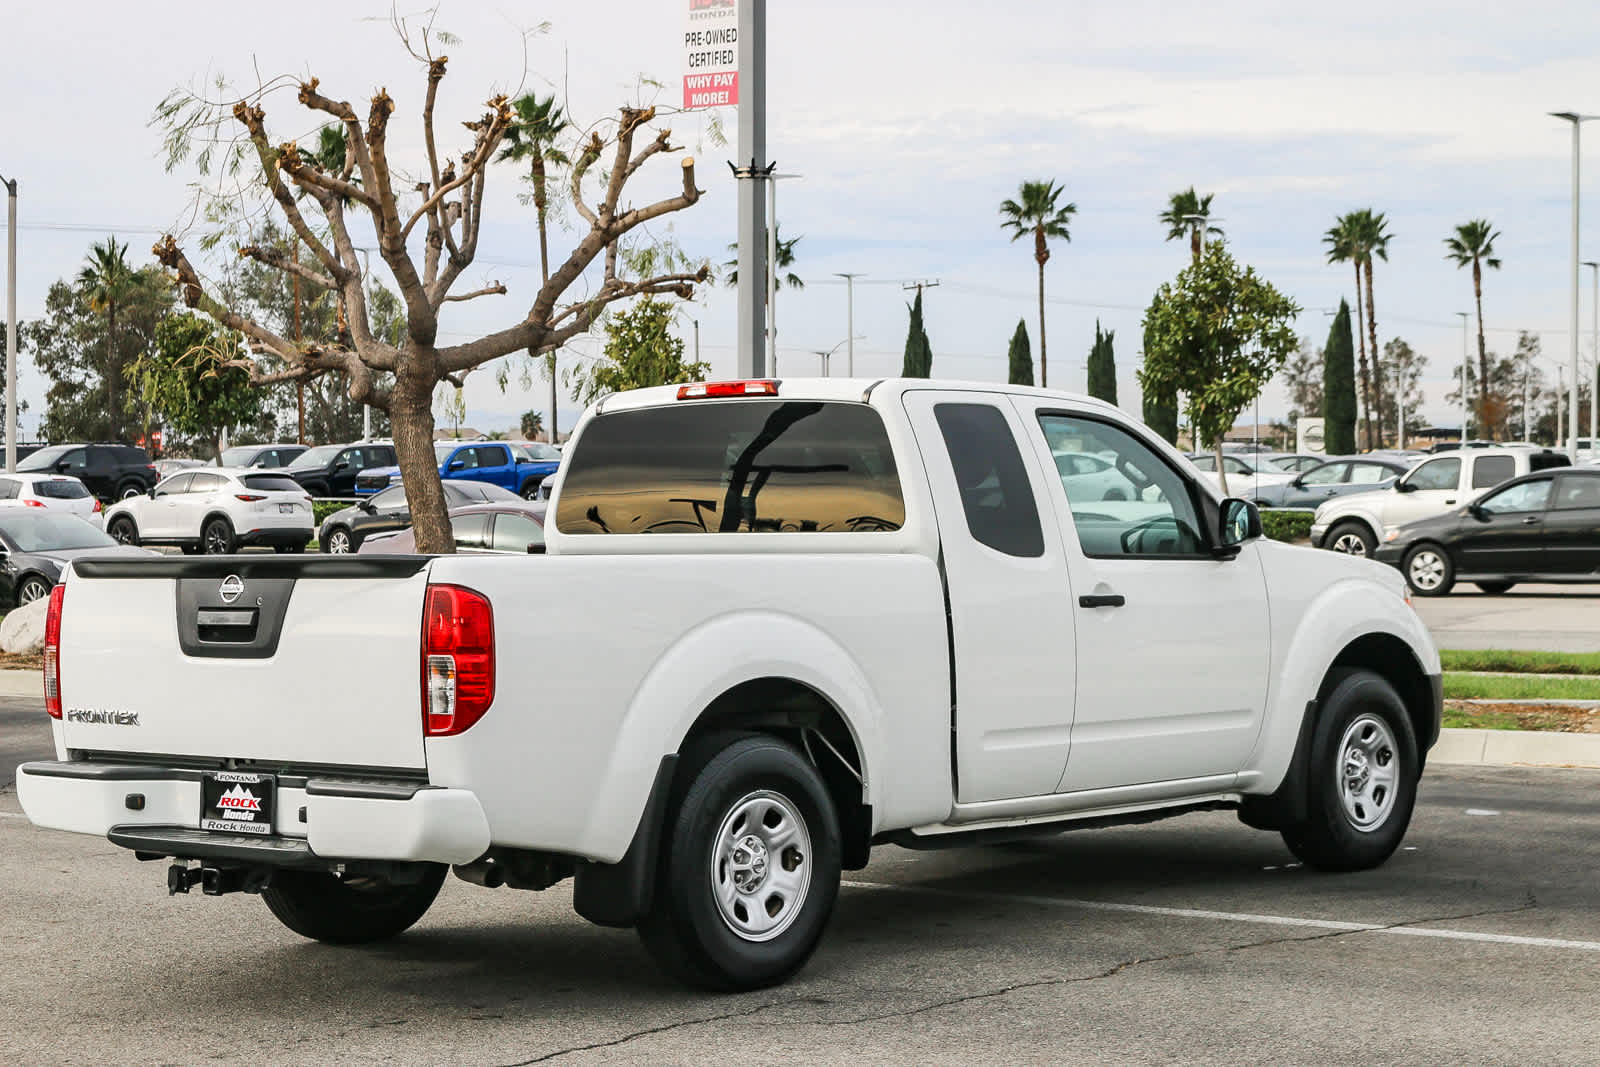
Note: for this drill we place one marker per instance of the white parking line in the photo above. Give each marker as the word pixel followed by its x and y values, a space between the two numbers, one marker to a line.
pixel 1230 916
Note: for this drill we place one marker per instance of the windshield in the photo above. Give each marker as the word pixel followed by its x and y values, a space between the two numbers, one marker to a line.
pixel 51 533
pixel 317 457
pixel 43 459
pixel 540 451
pixel 442 451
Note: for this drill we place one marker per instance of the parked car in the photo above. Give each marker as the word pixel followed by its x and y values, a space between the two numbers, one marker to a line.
pixel 1345 474
pixel 110 471
pixel 52 492
pixel 1358 523
pixel 1298 462
pixel 215 510
pixel 1087 477
pixel 777 624
pixel 165 467
pixel 36 546
pixel 344 530
pixel 331 470
pixel 518 466
pixel 264 456
pixel 1248 472
pixel 514 527
pixel 1540 527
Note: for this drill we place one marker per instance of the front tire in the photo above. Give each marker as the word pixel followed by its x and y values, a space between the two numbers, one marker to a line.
pixel 750 866
pixel 123 531
pixel 1362 777
pixel 1428 570
pixel 1353 539
pixel 349 911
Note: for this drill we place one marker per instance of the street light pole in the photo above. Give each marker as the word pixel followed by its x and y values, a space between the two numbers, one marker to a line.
pixel 11 323
pixel 1577 121
pixel 849 319
pixel 1594 380
pixel 772 269
pixel 1464 371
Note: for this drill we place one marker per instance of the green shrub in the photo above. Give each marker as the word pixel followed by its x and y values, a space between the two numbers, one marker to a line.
pixel 1283 524
pixel 321 509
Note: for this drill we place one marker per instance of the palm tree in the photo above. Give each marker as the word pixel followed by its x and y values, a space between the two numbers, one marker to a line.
pixel 1474 243
pixel 532 138
pixel 1188 215
pixel 1372 237
pixel 1343 241
pixel 785 259
pixel 1039 215
pixel 105 282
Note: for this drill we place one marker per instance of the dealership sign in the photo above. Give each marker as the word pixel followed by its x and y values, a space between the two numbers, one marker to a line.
pixel 711 54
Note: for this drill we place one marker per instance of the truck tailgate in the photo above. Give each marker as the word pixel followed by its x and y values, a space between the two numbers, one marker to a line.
pixel 275 659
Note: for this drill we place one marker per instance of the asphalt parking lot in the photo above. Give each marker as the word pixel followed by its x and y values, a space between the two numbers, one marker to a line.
pixel 1557 618
pixel 1193 940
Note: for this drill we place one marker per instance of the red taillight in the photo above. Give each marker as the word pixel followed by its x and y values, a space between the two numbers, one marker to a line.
pixel 98 508
pixel 34 503
pixel 712 390
pixel 52 652
pixel 457 659
pixel 248 498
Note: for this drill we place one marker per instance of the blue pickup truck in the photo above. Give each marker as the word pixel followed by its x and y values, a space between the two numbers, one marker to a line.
pixel 520 466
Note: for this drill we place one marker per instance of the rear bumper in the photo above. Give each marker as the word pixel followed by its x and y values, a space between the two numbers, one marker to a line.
pixel 157 809
pixel 289 535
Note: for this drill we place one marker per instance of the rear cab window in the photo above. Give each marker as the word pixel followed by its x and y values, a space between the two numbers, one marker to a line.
pixel 739 466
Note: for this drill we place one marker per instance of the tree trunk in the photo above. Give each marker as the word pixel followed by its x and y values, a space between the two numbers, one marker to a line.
pixel 1483 355
pixel 1194 242
pixel 1041 253
pixel 540 205
pixel 1222 474
pixel 1377 364
pixel 411 422
pixel 111 365
pixel 1366 386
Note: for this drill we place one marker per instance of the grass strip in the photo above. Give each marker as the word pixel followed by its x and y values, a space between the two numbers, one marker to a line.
pixel 1531 687
pixel 1517 662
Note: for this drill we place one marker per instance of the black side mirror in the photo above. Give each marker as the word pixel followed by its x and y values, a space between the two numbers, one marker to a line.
pixel 365 505
pixel 1404 487
pixel 150 492
pixel 1479 512
pixel 536 548
pixel 1240 522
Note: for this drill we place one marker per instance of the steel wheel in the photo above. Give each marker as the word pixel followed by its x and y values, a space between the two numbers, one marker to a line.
pixel 33 589
pixel 1425 570
pixel 761 866
pixel 1367 772
pixel 338 542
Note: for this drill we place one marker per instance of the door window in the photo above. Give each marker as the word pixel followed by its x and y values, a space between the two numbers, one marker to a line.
pixel 1369 473
pixel 1492 470
pixel 1160 517
pixel 1573 494
pixel 8 488
pixel 350 458
pixel 471 532
pixel 1524 496
pixel 514 532
pixel 1327 474
pixel 1205 463
pixel 995 492
pixel 76 459
pixel 466 457
pixel 491 455
pixel 1437 474
pixel 178 483
pixel 1236 466
pixel 205 483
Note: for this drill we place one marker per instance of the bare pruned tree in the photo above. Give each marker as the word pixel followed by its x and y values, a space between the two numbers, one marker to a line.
pixel 444 209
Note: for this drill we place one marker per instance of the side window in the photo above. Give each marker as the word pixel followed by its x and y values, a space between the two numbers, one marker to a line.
pixel 471 531
pixel 514 532
pixel 1492 470
pixel 1327 474
pixel 1575 493
pixel 350 458
pixel 174 485
pixel 1524 496
pixel 1206 463
pixel 1437 474
pixel 8 488
pixel 1235 466
pixel 1369 473
pixel 995 492
pixel 204 483
pixel 1155 515
pixel 492 456
pixel 378 457
pixel 76 459
pixel 467 457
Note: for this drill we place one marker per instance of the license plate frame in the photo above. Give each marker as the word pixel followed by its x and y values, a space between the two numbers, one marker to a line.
pixel 237 802
pixel 286 509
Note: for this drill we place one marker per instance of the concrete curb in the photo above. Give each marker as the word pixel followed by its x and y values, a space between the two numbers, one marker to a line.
pixel 22 684
pixel 1528 747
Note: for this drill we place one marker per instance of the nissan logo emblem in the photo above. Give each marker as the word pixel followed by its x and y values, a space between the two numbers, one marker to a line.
pixel 232 586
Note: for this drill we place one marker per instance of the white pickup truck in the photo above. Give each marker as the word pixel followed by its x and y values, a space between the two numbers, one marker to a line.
pixel 797 619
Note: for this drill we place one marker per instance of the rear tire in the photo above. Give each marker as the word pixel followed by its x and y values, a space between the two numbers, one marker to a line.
pixel 33 588
pixel 1428 570
pixel 530 489
pixel 339 542
pixel 349 911
pixel 123 531
pixel 127 489
pixel 1361 777
pixel 1495 588
pixel 217 538
pixel 749 869
pixel 1353 539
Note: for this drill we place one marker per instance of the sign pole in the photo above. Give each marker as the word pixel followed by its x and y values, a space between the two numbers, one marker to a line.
pixel 752 167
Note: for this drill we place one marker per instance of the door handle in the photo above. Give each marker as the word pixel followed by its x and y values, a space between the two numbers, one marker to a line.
pixel 1102 600
pixel 1531 520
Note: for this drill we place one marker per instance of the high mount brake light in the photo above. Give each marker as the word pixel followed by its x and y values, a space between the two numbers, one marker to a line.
pixel 713 390
pixel 457 659
pixel 52 652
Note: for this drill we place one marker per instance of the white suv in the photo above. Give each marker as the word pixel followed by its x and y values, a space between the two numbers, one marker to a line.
pixel 53 492
pixel 216 511
pixel 1356 524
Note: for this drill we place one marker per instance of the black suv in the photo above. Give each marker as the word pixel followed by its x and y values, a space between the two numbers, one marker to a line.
pixel 330 470
pixel 110 471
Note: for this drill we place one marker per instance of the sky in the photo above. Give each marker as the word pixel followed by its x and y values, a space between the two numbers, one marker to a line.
pixel 909 127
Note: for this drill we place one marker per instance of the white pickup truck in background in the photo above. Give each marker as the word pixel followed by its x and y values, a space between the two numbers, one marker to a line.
pixel 800 618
